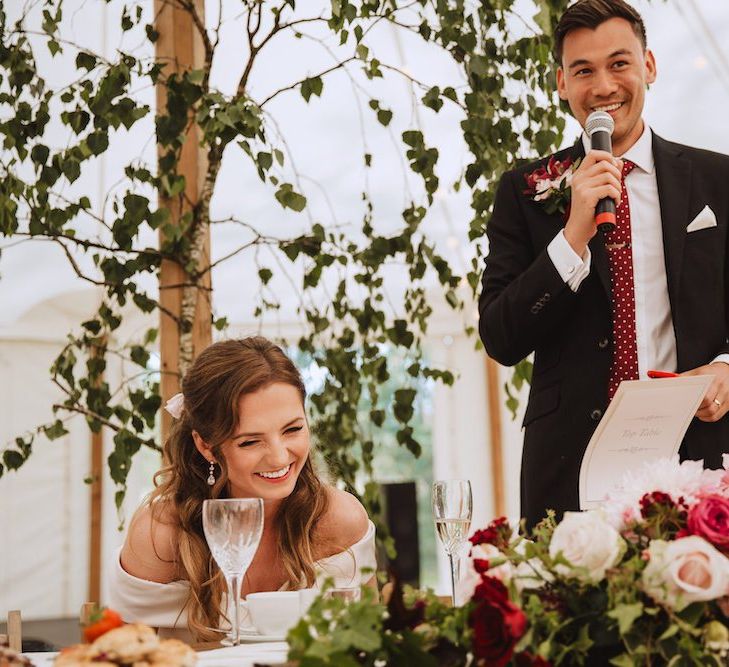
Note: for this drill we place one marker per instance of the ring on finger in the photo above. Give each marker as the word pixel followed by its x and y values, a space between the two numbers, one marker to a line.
pixel 718 402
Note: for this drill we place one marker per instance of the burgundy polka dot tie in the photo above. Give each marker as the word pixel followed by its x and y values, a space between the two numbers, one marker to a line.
pixel 622 299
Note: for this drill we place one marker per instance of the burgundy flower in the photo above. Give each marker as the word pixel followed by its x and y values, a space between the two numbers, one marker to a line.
pixel 651 502
pixel 663 517
pixel 498 533
pixel 497 623
pixel 481 565
pixel 553 166
pixel 709 519
pixel 534 177
pixel 549 184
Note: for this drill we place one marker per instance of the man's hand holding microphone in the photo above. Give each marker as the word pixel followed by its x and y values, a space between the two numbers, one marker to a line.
pixel 596 186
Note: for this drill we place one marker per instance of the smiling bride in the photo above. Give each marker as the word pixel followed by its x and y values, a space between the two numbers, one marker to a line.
pixel 240 431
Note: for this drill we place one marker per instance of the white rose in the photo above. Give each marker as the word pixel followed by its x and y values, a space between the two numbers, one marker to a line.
pixel 589 543
pixel 684 571
pixel 470 578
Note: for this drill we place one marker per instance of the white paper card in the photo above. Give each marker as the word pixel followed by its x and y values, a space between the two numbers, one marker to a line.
pixel 645 421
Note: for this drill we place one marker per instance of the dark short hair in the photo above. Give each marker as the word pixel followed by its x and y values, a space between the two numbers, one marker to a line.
pixel 590 14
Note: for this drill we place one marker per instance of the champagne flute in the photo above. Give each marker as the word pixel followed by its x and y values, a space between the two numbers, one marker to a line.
pixel 452 511
pixel 233 529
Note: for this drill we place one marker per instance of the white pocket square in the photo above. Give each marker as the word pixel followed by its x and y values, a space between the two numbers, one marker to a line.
pixel 703 220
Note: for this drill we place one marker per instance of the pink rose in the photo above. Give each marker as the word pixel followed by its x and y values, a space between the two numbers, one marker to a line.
pixel 709 518
pixel 684 571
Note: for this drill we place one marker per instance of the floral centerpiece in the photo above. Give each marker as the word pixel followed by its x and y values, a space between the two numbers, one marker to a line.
pixel 643 581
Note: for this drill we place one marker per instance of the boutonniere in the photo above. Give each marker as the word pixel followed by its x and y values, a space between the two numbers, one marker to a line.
pixel 550 184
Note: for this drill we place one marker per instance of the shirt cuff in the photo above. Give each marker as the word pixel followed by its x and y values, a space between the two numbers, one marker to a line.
pixel 573 268
pixel 722 357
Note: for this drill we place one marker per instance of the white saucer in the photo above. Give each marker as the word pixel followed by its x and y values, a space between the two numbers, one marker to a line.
pixel 250 636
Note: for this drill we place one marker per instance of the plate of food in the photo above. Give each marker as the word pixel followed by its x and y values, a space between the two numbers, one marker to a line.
pixel 127 645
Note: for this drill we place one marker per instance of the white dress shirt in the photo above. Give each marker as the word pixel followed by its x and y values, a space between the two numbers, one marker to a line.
pixel 655 336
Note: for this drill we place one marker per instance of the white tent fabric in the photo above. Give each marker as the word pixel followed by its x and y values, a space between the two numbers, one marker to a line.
pixel 44 508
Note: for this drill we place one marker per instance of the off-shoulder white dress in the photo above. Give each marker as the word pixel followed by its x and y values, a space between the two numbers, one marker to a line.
pixel 162 605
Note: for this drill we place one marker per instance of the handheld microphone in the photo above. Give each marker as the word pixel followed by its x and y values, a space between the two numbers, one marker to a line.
pixel 599 127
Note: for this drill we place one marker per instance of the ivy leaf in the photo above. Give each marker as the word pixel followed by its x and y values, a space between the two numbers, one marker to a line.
pixel 399 333
pixel 139 355
pixel 289 198
pixel 311 86
pixel 152 34
pixel 384 116
pixel 544 140
pixel 626 615
pixel 39 154
pixel 71 169
pixel 432 100
pixel 85 61
pixel 403 407
pixel 543 18
pixel 265 160
pixel 55 430
pixel 12 459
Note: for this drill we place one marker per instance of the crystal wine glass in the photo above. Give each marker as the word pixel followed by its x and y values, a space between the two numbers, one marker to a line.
pixel 233 530
pixel 452 511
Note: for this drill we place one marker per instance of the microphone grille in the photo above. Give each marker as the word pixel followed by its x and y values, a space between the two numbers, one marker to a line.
pixel 599 121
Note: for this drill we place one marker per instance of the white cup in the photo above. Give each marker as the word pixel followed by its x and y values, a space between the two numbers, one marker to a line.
pixel 276 612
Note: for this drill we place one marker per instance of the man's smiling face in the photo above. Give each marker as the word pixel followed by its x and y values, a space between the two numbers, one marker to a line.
pixel 607 69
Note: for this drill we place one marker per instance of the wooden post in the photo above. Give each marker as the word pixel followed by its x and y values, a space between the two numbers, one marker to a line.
pixel 497 457
pixel 84 617
pixel 15 631
pixel 180 46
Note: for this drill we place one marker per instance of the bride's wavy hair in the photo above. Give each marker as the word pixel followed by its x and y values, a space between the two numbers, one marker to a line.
pixel 212 389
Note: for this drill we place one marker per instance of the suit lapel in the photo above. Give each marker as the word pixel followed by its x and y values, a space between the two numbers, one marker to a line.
pixel 673 175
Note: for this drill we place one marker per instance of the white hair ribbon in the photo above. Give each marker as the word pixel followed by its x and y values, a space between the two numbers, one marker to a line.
pixel 175 405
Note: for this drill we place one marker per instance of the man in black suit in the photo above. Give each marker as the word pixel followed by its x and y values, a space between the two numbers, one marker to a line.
pixel 597 309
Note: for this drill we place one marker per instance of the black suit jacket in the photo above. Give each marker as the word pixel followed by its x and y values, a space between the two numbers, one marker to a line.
pixel 526 307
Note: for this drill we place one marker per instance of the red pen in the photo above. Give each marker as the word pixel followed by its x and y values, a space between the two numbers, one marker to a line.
pixel 662 374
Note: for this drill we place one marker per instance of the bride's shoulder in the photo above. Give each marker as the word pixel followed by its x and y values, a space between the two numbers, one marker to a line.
pixel 345 521
pixel 151 546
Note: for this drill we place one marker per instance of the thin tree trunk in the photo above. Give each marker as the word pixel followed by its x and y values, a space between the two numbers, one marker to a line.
pixel 181 46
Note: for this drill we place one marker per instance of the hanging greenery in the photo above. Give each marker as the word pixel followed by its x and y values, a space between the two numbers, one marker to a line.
pixel 507 112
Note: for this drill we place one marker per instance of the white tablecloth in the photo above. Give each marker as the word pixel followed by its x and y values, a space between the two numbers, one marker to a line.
pixel 244 655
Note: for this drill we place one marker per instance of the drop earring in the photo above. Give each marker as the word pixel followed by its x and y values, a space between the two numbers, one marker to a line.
pixel 211 475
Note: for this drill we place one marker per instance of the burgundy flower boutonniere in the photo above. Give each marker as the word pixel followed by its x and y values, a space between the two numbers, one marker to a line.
pixel 550 185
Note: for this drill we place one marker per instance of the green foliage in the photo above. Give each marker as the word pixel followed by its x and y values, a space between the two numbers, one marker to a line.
pixel 351 334
pixel 567 620
pixel 369 632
